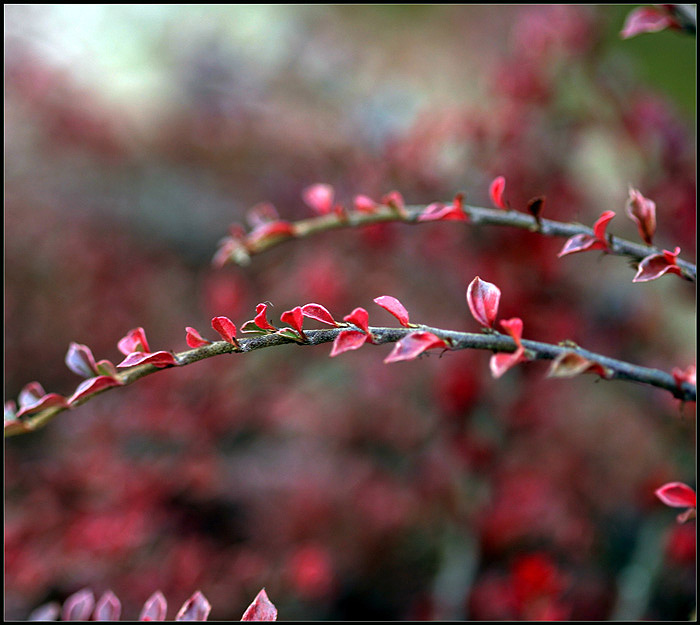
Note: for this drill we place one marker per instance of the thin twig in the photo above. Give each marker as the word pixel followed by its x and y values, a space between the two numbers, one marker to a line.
pixel 475 215
pixel 495 342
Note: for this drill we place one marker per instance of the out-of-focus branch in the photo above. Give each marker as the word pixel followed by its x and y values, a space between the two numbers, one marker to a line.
pixel 239 251
pixel 685 15
pixel 495 342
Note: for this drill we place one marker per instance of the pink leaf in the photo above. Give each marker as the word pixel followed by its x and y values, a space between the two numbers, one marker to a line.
pixel 360 318
pixel 10 410
pixel 319 197
pixel 105 367
pixel 134 341
pixel 92 386
pixel 586 242
pixel 413 345
pixel 196 608
pixel 319 313
pixel 33 398
pixel 483 298
pixel 46 612
pixel 348 340
pixel 395 307
pixel 226 329
pixel 108 608
pixel 677 495
pixel 157 359
pixel 261 214
pixel 80 360
pixel 570 364
pixel 294 318
pixel 643 212
pixel 78 607
pixel 155 608
pixel 580 243
pixel 261 609
pixel 194 339
pixel 681 376
pixel 364 204
pixel 646 20
pixel 232 248
pixel 496 189
pixel 30 394
pixel 656 265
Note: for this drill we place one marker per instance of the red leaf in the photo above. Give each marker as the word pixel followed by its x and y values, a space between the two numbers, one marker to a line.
pixel 646 20
pixel 78 607
pixel 483 298
pixel 80 360
pixel 262 609
pixel 514 327
pixel 643 212
pixel 681 376
pixel 677 495
pixel 601 225
pixel 394 200
pixel 261 318
pixel 294 318
pixel 155 608
pixel 108 608
pixel 273 230
pixel 500 363
pixel 157 359
pixel 441 212
pixel 395 307
pixel 319 313
pixel 348 340
pixel 226 329
pixel 413 345
pixel 194 339
pixel 134 341
pixel 92 386
pixel 364 204
pixel 570 364
pixel 196 608
pixel 656 265
pixel 496 189
pixel 360 318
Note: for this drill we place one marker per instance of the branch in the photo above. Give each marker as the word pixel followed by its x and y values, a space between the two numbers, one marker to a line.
pixel 239 250
pixel 685 15
pixel 491 341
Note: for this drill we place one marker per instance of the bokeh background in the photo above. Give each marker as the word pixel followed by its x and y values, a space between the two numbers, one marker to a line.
pixel 349 489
